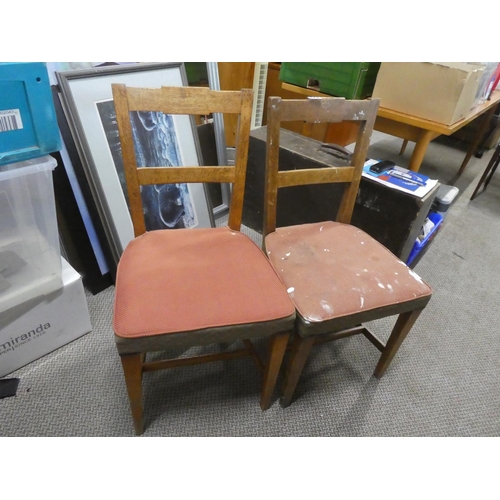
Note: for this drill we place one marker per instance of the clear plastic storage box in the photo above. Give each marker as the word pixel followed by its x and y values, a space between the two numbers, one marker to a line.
pixel 30 258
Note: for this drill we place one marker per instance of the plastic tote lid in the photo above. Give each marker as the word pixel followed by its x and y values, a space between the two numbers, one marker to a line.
pixel 446 194
pixel 26 167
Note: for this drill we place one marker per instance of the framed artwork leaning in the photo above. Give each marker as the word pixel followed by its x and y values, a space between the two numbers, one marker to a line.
pixel 160 141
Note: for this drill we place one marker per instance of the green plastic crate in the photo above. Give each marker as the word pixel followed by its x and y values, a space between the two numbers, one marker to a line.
pixel 196 73
pixel 352 80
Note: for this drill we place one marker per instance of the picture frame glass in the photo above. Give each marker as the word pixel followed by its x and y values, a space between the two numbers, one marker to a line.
pixel 159 140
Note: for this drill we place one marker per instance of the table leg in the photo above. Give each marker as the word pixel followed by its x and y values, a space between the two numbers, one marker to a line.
pixel 479 136
pixel 418 154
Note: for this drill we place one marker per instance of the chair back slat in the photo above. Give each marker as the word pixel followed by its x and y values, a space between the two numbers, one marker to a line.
pixel 316 110
pixel 183 101
pixel 325 109
pixel 327 175
pixel 154 175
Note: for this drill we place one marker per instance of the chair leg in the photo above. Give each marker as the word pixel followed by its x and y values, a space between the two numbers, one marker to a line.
pixel 277 350
pixel 489 170
pixel 492 171
pixel 301 348
pixel 403 325
pixel 132 369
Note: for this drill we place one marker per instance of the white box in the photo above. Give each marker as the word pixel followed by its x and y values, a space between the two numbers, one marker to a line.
pixel 30 257
pixel 39 326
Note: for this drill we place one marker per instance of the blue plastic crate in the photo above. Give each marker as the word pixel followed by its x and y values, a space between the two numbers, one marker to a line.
pixel 28 122
pixel 437 219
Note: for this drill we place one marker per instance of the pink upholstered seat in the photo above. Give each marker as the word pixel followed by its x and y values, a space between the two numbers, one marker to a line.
pixel 172 282
pixel 333 270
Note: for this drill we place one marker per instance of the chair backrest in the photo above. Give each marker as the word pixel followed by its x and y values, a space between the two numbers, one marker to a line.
pixel 183 101
pixel 316 110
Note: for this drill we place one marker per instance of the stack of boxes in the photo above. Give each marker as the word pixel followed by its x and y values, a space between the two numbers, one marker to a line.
pixel 42 300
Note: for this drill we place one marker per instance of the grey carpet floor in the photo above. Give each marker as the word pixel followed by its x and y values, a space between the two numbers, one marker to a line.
pixel 444 380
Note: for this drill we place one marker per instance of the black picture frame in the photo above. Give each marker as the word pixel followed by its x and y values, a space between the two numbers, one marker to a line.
pixel 75 236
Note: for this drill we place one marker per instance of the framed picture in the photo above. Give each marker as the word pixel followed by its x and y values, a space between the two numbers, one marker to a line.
pixel 160 140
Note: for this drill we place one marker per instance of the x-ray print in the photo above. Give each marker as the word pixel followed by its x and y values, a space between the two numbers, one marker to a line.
pixel 166 206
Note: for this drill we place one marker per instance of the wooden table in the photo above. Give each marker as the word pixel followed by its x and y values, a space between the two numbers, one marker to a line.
pixel 422 132
pixel 419 130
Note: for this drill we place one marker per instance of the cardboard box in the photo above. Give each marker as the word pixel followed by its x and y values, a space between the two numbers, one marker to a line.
pixel 37 327
pixel 440 92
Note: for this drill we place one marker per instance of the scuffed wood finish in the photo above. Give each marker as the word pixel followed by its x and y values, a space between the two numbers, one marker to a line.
pixel 153 366
pixel 325 109
pixel 338 133
pixel 277 351
pixel 164 175
pixel 315 176
pixel 301 348
pixel 240 160
pixel 403 325
pixel 132 365
pixel 183 101
pixel 128 154
pixel 316 110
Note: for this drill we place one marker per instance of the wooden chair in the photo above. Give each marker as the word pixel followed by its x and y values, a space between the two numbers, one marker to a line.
pixel 337 275
pixel 488 173
pixel 179 288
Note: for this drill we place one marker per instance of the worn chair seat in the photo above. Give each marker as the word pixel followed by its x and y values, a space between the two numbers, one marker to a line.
pixel 334 271
pixel 151 310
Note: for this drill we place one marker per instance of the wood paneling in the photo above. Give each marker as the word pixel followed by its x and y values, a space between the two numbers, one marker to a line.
pixel 234 76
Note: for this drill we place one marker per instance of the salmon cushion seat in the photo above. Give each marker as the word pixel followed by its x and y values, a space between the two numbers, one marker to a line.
pixel 333 270
pixel 234 283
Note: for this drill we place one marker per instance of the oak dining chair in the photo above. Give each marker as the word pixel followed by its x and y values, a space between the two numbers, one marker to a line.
pixel 337 275
pixel 190 287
